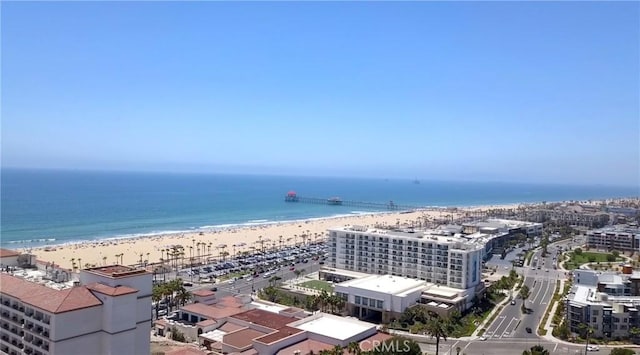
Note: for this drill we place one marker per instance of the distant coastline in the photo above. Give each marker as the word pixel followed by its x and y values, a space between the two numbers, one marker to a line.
pixel 64 207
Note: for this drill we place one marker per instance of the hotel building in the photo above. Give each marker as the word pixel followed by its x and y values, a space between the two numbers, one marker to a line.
pixel 105 311
pixel 433 256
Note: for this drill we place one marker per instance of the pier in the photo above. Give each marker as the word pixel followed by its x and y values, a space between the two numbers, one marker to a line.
pixel 336 201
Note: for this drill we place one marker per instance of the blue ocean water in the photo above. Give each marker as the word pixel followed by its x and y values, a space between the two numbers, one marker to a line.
pixel 49 207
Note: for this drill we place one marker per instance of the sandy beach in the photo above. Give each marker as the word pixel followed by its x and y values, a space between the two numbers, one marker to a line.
pixel 209 243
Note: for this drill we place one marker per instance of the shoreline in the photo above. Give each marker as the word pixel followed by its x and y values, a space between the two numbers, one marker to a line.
pixel 232 240
pixel 205 243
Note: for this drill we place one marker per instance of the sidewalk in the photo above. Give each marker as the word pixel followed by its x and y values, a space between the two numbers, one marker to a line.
pixel 497 308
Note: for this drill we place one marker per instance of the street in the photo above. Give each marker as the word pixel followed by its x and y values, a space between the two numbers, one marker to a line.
pixel 505 347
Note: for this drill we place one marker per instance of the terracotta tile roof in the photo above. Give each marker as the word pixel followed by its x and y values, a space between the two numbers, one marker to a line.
pixel 211 311
pixel 229 301
pixel 264 318
pixel 5 253
pixel 230 327
pixel 116 271
pixel 206 323
pixel 111 291
pixel 282 333
pixel 203 293
pixel 374 339
pixel 48 299
pixel 185 351
pixel 242 338
pixel 305 347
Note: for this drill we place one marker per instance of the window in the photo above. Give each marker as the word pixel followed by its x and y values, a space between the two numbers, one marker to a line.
pixel 357 299
pixel 379 304
pixel 594 320
pixel 595 312
pixel 365 301
pixel 372 302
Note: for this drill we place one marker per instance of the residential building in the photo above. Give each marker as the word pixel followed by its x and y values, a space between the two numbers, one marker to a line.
pixel 619 237
pixel 608 316
pixel 430 255
pixel 105 311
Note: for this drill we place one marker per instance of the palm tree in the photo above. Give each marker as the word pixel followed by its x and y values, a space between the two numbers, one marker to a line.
pixel 524 294
pixel 353 348
pixel 634 332
pixel 438 328
pixel 156 296
pixel 536 350
pixel 337 350
pixel 183 296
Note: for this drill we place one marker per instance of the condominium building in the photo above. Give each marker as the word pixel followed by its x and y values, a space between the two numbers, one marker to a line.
pixel 106 310
pixel 608 302
pixel 608 316
pixel 620 237
pixel 430 255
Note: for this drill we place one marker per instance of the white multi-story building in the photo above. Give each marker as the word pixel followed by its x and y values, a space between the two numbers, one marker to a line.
pixel 608 316
pixel 622 238
pixel 433 256
pixel 108 311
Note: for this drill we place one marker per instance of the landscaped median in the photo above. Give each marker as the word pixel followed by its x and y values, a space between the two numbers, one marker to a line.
pixel 556 296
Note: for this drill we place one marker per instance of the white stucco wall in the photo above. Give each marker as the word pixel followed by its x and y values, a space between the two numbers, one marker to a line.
pixel 88 344
pixel 74 323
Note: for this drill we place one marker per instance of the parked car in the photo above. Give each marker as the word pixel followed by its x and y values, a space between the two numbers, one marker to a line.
pixel 528 330
pixel 593 348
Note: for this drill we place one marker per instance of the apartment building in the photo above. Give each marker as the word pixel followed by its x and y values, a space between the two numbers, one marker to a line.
pixel 430 255
pixel 620 237
pixel 106 310
pixel 608 316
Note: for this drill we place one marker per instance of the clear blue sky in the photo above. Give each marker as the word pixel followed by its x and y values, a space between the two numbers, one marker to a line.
pixel 506 91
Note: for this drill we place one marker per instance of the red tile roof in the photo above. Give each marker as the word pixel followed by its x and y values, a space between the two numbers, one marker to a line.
pixel 282 333
pixel 185 351
pixel 45 298
pixel 242 338
pixel 264 318
pixel 111 291
pixel 5 253
pixel 203 293
pixel 305 347
pixel 206 323
pixel 372 340
pixel 230 327
pixel 116 271
pixel 211 311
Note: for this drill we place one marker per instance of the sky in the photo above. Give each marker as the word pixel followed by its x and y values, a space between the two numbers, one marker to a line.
pixel 542 92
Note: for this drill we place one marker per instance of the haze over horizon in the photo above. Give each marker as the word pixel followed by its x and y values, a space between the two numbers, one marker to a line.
pixel 520 92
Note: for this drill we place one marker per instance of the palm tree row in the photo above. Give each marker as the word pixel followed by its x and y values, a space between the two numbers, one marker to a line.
pixel 173 293
pixel 332 302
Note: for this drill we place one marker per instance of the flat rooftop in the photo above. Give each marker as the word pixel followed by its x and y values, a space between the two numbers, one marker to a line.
pixel 396 285
pixel 333 326
pixel 116 271
pixel 442 291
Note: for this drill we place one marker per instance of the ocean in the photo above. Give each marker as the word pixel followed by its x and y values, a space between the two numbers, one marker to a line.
pixel 43 207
